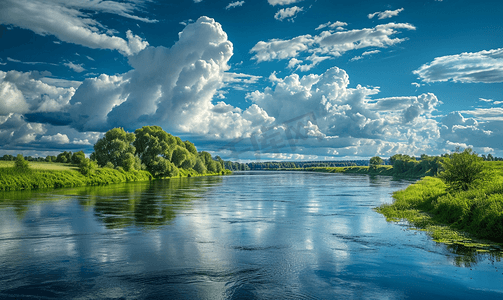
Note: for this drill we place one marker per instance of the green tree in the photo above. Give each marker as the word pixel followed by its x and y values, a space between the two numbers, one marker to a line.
pixel 64 157
pixel 87 166
pixel 211 166
pixel 462 169
pixel 113 147
pixel 8 157
pixel 128 162
pixel 51 158
pixel 375 161
pixel 179 155
pixel 151 142
pixel 189 146
pixel 20 163
pixel 77 157
pixel 199 166
pixel 162 167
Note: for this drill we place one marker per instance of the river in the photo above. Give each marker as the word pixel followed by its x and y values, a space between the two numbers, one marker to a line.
pixel 253 235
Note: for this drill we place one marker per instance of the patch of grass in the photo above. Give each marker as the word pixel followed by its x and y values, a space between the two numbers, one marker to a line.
pixel 55 175
pixel 472 218
pixel 12 179
pixel 40 165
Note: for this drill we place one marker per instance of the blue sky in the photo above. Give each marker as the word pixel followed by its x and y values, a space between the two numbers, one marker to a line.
pixel 250 80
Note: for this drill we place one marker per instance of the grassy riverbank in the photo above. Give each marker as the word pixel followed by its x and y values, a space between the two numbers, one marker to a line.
pixel 57 175
pixel 463 217
pixel 380 170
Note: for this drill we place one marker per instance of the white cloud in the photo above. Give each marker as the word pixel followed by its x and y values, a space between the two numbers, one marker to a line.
pixel 288 13
pixel 29 62
pixel 486 114
pixel 234 4
pixel 57 139
pixel 281 49
pixel 385 125
pixel 329 43
pixel 485 129
pixel 177 95
pixel 371 52
pixel 69 23
pixel 28 93
pixel 283 2
pixel 386 14
pixel 11 99
pixel 485 100
pixel 338 25
pixel 356 58
pixel 485 66
pixel 76 67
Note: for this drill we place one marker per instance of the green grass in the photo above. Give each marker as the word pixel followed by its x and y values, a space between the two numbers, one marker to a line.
pixel 63 176
pixel 39 165
pixel 472 218
pixel 55 175
pixel 381 170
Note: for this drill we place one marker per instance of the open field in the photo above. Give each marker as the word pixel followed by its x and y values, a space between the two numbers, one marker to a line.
pixel 40 165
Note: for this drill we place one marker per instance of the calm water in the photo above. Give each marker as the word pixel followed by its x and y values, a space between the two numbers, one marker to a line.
pixel 249 236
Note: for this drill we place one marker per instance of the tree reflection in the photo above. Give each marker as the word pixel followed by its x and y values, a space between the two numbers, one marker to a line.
pixel 469 256
pixel 146 204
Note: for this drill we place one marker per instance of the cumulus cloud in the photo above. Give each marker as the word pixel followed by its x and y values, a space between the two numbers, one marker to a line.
pixel 57 138
pixel 172 87
pixel 329 43
pixel 180 89
pixel 288 13
pixel 385 14
pixel 346 117
pixel 282 2
pixel 485 129
pixel 234 4
pixel 24 92
pixel 485 66
pixel 73 25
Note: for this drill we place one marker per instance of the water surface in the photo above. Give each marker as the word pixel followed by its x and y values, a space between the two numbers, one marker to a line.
pixel 254 235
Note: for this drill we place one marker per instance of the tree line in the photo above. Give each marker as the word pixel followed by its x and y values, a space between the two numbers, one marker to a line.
pixel 148 148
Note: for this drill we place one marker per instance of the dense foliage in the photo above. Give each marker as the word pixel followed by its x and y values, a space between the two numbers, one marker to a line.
pixel 461 170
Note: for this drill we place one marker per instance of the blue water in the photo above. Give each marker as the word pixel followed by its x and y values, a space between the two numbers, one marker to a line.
pixel 253 235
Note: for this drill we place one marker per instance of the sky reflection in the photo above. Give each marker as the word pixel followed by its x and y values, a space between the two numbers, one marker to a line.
pixel 261 235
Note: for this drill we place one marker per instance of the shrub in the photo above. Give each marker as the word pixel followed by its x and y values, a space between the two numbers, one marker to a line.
pixel 20 163
pixel 461 170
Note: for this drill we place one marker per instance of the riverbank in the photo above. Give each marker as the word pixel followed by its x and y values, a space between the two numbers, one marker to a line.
pixel 56 175
pixel 471 218
pixel 364 170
